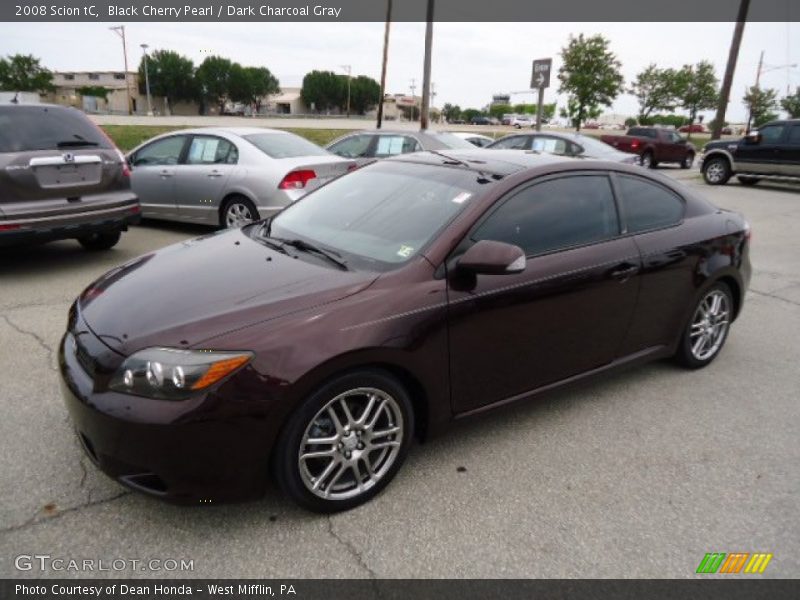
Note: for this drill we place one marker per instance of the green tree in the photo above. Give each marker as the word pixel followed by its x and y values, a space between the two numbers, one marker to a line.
pixel 470 113
pixel 655 89
pixel 548 111
pixel 24 73
pixel 791 104
pixel 762 105
pixel 324 90
pixel 365 93
pixel 590 76
pixel 524 109
pixel 451 112
pixel 213 79
pixel 97 91
pixel 250 85
pixel 171 76
pixel 498 110
pixel 696 88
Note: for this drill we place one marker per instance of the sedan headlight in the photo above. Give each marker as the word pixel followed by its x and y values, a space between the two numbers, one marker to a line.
pixel 172 374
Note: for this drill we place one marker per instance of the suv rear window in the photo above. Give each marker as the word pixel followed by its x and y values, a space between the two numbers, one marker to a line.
pixel 30 128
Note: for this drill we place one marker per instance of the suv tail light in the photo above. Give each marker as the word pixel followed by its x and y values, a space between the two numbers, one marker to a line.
pixel 634 144
pixel 297 180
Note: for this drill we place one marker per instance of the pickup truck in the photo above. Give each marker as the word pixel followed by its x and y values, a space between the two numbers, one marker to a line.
pixel 654 145
pixel 771 152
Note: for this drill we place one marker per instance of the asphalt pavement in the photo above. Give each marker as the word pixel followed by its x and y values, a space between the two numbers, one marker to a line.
pixel 638 474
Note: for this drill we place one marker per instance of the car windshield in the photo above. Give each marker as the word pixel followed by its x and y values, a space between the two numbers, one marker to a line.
pixel 450 140
pixel 594 147
pixel 284 145
pixel 380 216
pixel 30 128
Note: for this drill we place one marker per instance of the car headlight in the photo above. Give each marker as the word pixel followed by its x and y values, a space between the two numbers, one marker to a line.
pixel 172 374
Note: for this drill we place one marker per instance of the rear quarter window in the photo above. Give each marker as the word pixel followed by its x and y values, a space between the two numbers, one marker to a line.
pixel 32 128
pixel 647 206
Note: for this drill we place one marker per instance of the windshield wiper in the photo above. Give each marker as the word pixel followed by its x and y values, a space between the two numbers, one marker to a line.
pixel 75 143
pixel 308 247
pixel 482 177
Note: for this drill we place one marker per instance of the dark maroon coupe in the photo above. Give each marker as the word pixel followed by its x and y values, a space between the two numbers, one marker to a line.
pixel 412 292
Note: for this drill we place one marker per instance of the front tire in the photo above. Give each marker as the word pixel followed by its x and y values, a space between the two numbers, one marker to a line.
pixel 716 171
pixel 100 240
pixel 708 327
pixel 346 442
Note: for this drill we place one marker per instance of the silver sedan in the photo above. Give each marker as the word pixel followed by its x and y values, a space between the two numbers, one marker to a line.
pixel 563 144
pixel 227 176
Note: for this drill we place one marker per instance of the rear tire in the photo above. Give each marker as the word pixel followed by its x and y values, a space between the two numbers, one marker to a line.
pixel 100 240
pixel 237 212
pixel 648 161
pixel 716 171
pixel 688 161
pixel 708 327
pixel 359 450
pixel 748 180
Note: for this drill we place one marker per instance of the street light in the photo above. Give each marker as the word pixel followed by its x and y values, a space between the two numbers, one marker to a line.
pixel 147 80
pixel 120 31
pixel 348 69
pixel 765 69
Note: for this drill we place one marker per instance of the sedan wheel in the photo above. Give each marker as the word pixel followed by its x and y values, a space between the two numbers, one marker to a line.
pixel 351 445
pixel 239 212
pixel 708 327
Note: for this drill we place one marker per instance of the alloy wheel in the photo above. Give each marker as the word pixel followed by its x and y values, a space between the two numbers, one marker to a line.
pixel 709 325
pixel 715 172
pixel 350 444
pixel 237 215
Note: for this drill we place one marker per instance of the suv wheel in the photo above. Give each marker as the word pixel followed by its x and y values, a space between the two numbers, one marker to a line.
pixel 648 161
pixel 688 161
pixel 716 171
pixel 101 240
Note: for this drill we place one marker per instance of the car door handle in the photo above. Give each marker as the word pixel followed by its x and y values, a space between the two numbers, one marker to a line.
pixel 214 174
pixel 165 174
pixel 624 271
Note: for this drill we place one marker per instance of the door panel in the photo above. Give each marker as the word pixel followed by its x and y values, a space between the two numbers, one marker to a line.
pixel 565 314
pixel 201 181
pixel 153 176
pixel 763 157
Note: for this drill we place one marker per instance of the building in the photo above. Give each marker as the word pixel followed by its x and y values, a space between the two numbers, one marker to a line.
pixel 288 102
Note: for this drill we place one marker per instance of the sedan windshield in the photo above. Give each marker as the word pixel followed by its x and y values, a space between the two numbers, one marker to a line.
pixel 284 145
pixel 382 215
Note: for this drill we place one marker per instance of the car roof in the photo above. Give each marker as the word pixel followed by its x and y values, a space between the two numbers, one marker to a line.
pixel 240 131
pixel 498 162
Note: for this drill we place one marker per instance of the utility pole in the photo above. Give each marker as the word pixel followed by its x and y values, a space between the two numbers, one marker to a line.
pixel 147 81
pixel 120 31
pixel 433 94
pixel 413 87
pixel 426 71
pixel 758 80
pixel 727 81
pixel 349 70
pixel 385 59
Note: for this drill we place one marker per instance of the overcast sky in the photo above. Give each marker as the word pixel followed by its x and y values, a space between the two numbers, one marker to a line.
pixel 471 61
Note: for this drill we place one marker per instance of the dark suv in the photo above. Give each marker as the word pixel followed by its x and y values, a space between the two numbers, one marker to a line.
pixel 61 177
pixel 771 152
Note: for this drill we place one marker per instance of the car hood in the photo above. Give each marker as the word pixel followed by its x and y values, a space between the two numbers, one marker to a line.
pixel 195 290
pixel 723 144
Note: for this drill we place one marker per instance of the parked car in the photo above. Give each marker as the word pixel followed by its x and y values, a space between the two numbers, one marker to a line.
pixel 227 176
pixel 563 144
pixel 476 139
pixel 366 146
pixel 521 121
pixel 693 128
pixel 771 152
pixel 654 145
pixel 381 307
pixel 480 121
pixel 61 177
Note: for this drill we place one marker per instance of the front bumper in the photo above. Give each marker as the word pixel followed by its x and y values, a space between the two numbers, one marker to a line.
pixel 197 451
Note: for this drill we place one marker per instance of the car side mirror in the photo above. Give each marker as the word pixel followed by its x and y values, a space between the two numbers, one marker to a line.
pixel 754 137
pixel 489 257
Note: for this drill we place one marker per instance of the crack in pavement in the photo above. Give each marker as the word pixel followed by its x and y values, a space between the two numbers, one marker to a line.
pixel 39 340
pixel 351 549
pixel 35 521
pixel 776 297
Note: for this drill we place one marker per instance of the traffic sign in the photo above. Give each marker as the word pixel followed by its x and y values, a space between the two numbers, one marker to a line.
pixel 540 77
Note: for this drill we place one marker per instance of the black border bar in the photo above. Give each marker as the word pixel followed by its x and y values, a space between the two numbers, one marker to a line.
pixel 403 10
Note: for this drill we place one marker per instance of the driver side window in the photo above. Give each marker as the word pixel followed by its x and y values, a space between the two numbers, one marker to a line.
pixel 355 146
pixel 771 134
pixel 514 142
